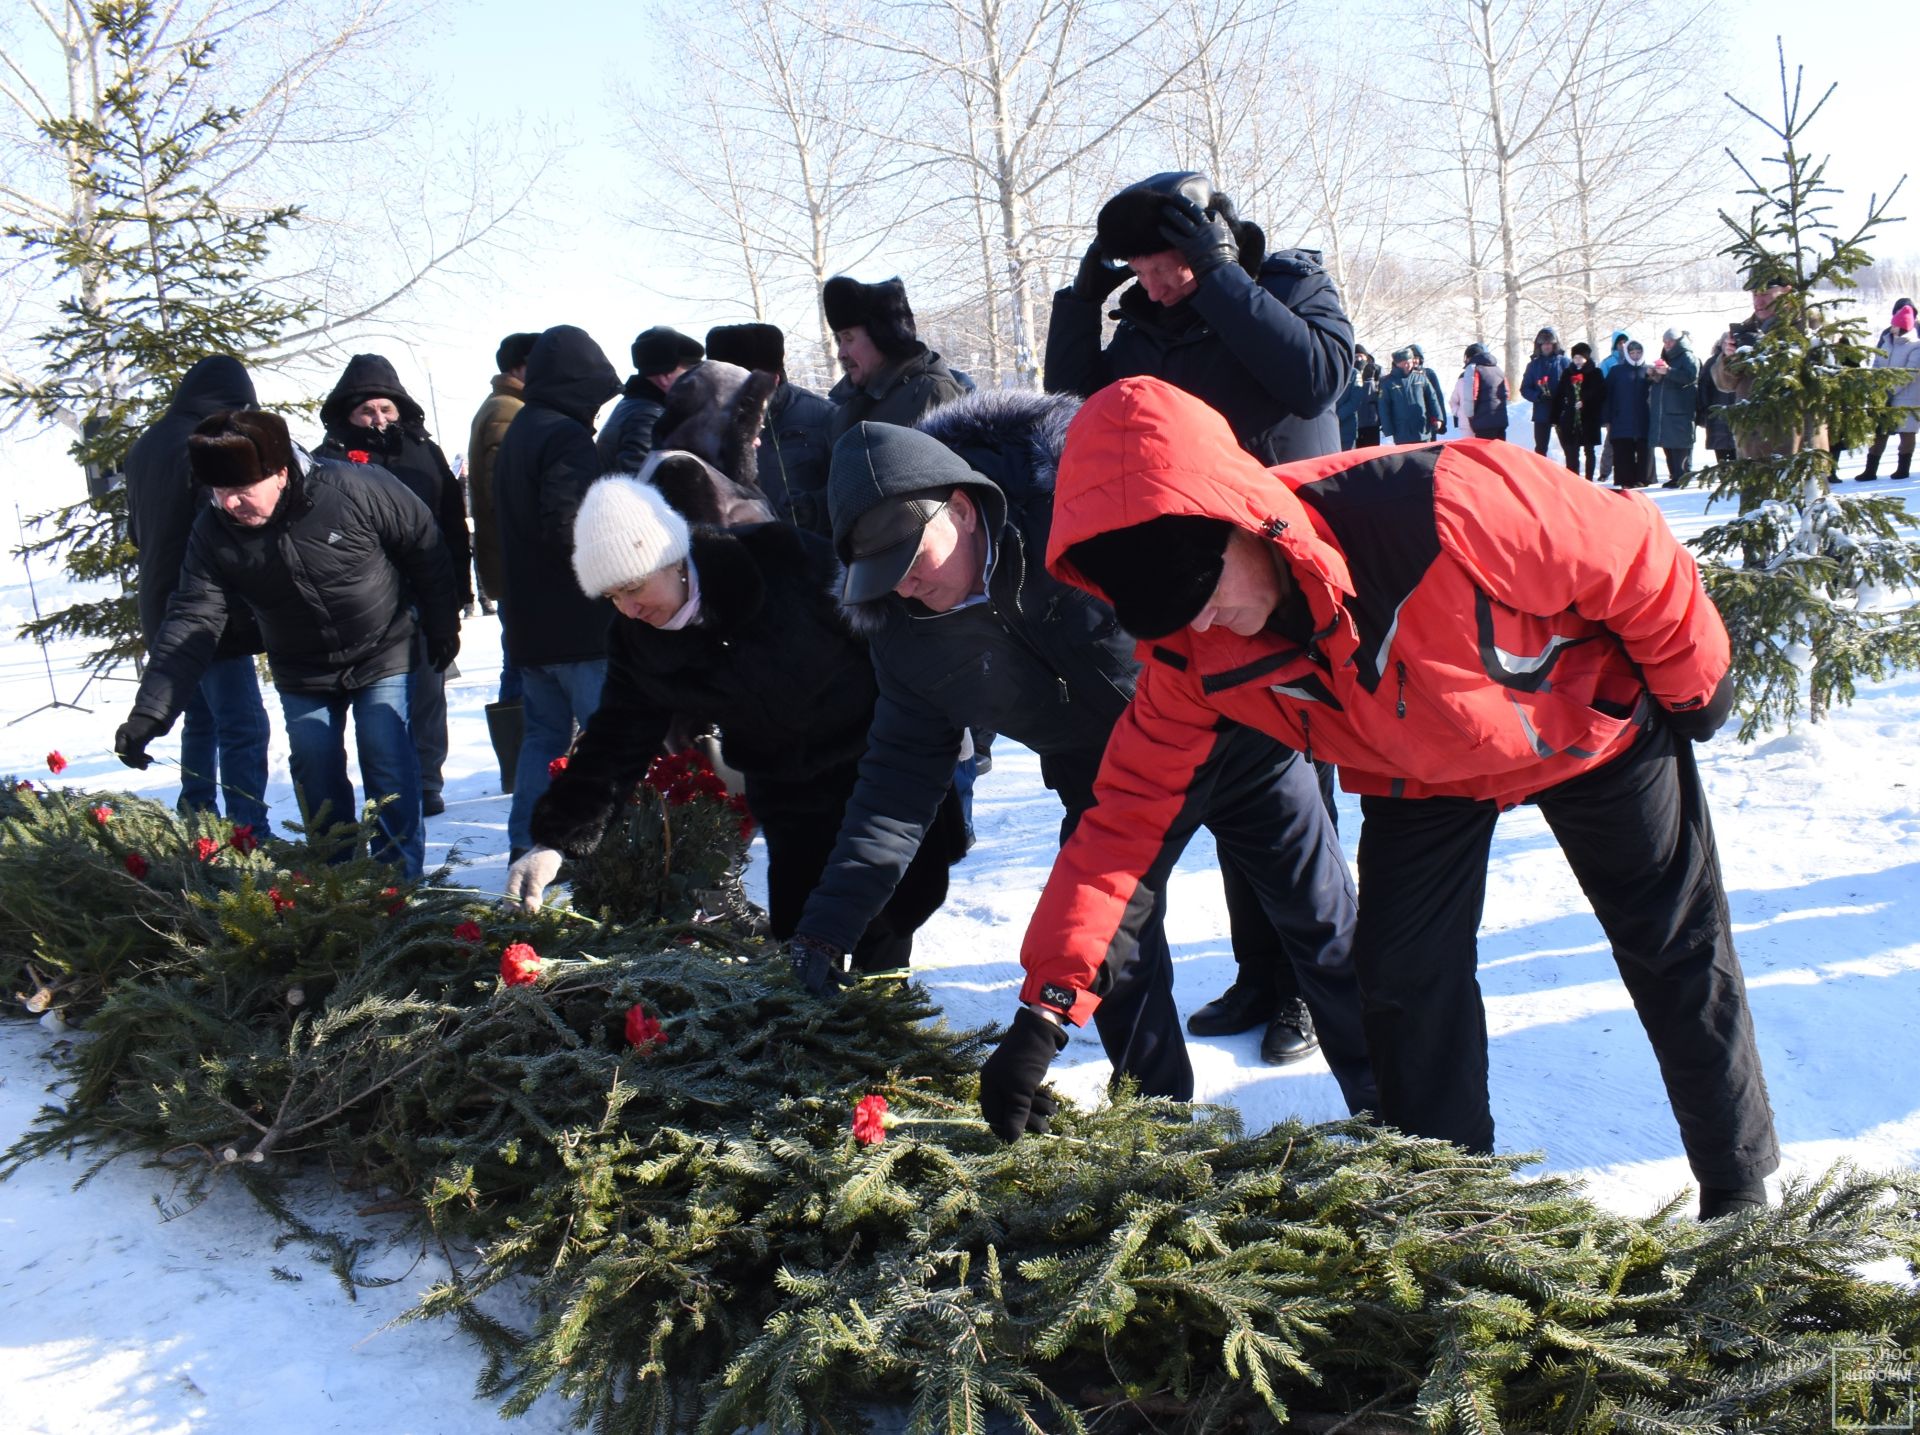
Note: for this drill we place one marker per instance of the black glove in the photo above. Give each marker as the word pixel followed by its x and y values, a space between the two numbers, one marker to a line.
pixel 572 814
pixel 1204 240
pixel 1010 1094
pixel 442 651
pixel 818 966
pixel 130 742
pixel 1699 724
pixel 1097 278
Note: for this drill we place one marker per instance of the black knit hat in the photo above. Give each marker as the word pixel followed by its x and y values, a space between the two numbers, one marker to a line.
pixel 661 350
pixel 1158 575
pixel 751 346
pixel 238 448
pixel 881 309
pixel 513 351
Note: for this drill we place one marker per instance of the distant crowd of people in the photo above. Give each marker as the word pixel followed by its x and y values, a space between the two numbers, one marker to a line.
pixel 1172 576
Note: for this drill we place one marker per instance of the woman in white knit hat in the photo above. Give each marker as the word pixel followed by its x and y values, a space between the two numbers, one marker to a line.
pixel 735 627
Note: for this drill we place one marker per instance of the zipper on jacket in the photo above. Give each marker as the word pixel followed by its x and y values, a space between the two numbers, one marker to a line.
pixel 1065 696
pixel 1306 732
pixel 1400 697
pixel 1273 528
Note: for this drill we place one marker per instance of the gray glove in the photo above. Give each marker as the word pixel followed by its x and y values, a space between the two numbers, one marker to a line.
pixel 529 878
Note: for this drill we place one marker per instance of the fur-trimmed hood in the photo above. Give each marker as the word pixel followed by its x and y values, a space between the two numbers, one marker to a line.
pixel 714 411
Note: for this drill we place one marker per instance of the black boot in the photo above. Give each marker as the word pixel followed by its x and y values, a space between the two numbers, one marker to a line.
pixel 1241 1007
pixel 505 725
pixel 1290 1035
pixel 1718 1201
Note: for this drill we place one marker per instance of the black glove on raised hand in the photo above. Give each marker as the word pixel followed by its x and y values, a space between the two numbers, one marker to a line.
pixel 1204 240
pixel 571 816
pixel 130 742
pixel 1699 724
pixel 1097 278
pixel 1010 1094
pixel 442 651
pixel 818 966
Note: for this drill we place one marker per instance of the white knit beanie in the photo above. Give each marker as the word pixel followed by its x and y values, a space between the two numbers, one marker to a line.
pixel 623 533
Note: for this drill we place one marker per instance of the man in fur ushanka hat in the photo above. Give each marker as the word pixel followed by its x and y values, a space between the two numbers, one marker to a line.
pixel 891 377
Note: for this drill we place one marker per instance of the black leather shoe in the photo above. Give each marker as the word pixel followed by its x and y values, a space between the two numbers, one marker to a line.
pixel 432 804
pixel 1241 1007
pixel 1717 1202
pixel 1290 1036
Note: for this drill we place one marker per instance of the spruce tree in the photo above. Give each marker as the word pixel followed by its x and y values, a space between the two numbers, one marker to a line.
pixel 1800 573
pixel 160 272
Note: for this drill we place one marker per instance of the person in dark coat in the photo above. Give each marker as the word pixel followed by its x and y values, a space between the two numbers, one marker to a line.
pixel 334 559
pixel 483 443
pixel 1358 408
pixel 1480 395
pixel 735 627
pixel 371 418
pixel 1262 338
pixel 1580 410
pixel 1541 382
pixel 796 442
pixel 891 377
pixel 1408 409
pixel 1434 387
pixel 1710 404
pixel 555 634
pixel 1673 382
pixel 1627 414
pixel 941 531
pixel 660 355
pixel 223 723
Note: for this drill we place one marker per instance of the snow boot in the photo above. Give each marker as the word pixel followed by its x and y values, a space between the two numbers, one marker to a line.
pixel 1718 1201
pixel 1290 1036
pixel 506 724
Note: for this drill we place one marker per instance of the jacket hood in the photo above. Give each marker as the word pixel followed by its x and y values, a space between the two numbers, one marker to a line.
pixel 1547 335
pixel 215 385
pixel 569 372
pixel 370 376
pixel 1142 449
pixel 1620 336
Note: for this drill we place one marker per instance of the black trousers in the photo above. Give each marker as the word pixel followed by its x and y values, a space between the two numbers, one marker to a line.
pixel 801 822
pixel 1270 826
pixel 1542 432
pixel 1263 961
pixel 1679 461
pixel 1367 436
pixel 1637 835
pixel 1630 463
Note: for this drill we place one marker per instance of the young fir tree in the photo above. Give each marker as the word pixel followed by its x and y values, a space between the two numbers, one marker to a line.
pixel 1800 574
pixel 162 273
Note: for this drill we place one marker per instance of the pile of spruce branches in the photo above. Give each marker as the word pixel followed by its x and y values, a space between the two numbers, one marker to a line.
pixel 722 1203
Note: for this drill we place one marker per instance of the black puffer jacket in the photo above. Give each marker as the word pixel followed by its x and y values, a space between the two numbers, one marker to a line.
pixel 769 660
pixel 540 475
pixel 901 393
pixel 163 500
pixel 404 450
pixel 796 447
pixel 627 438
pixel 1271 357
pixel 1042 662
pixel 328 577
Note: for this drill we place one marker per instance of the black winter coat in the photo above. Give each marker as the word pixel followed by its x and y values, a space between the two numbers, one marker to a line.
pixel 1710 404
pixel 900 394
pixel 1272 357
pixel 330 578
pixel 1582 405
pixel 163 500
pixel 415 461
pixel 540 475
pixel 796 449
pixel 627 438
pixel 1040 661
pixel 769 660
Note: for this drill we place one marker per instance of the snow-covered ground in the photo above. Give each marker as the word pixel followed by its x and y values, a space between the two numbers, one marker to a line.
pixel 117 1320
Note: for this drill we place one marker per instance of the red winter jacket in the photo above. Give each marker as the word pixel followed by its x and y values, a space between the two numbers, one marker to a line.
pixel 1486 625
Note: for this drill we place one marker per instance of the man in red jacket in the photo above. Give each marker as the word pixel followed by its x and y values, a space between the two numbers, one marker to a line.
pixel 1461 629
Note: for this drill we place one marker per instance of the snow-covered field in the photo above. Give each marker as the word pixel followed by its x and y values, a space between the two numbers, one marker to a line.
pixel 116 1320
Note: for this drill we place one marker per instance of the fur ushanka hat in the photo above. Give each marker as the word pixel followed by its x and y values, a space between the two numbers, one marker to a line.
pixel 238 448
pixel 1129 223
pixel 881 309
pixel 751 346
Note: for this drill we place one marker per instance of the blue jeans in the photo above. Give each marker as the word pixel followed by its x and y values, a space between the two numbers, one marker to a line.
pixel 223 746
pixel 317 731
pixel 553 700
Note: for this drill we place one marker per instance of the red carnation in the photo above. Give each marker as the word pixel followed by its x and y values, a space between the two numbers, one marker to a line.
pixel 280 903
pixel 103 814
pixel 468 932
pixel 642 1030
pixel 556 767
pixel 519 965
pixel 870 1120
pixel 359 455
pixel 206 849
pixel 398 904
pixel 1578 380
pixel 243 840
pixel 56 764
pixel 136 866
